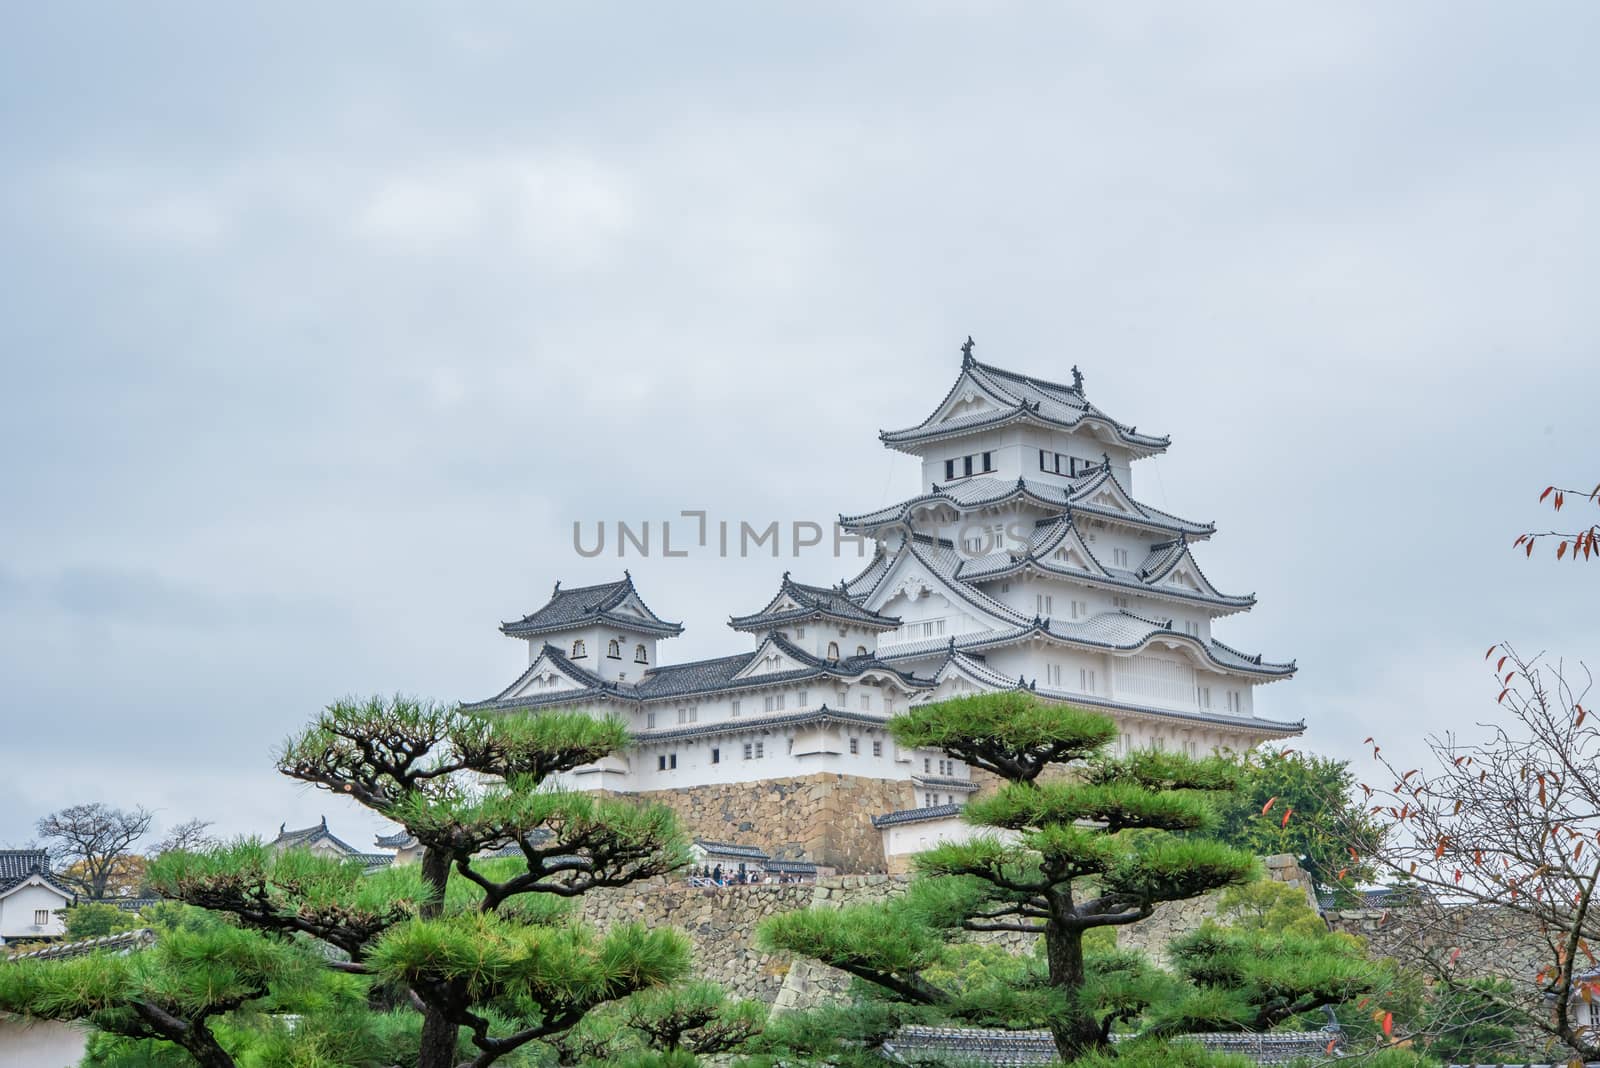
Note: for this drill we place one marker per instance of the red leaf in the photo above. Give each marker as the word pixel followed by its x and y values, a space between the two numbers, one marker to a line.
pixel 1561 499
pixel 1547 491
pixel 1328 1049
pixel 1342 873
pixel 1500 665
pixel 1486 656
pixel 1353 854
pixel 1388 1024
pixel 1561 550
pixel 1581 713
pixel 1286 814
pixel 1502 696
pixel 1529 551
pixel 1458 875
pixel 1266 808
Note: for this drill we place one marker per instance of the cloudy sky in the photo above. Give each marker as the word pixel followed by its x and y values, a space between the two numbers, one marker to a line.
pixel 322 324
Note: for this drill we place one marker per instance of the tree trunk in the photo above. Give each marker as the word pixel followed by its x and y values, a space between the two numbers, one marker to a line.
pixel 1076 1032
pixel 202 1045
pixel 438 1048
pixel 439 1034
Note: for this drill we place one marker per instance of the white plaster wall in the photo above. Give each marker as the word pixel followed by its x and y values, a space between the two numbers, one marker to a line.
pixel 28 1043
pixel 17 909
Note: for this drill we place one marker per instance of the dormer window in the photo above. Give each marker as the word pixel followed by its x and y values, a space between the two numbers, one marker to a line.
pixel 833 650
pixel 578 650
pixel 861 650
pixel 639 655
pixel 614 649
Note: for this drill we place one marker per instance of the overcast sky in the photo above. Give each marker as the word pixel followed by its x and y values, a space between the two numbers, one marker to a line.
pixel 323 323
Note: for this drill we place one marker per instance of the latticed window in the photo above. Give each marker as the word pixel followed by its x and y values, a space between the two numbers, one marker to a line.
pixel 639 655
pixel 614 649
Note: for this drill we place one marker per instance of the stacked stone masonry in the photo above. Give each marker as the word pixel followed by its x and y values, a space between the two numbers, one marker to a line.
pixel 825 819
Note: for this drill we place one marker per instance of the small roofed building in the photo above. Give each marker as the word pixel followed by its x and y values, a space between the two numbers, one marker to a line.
pixel 731 857
pixel 319 840
pixel 31 897
pixel 407 850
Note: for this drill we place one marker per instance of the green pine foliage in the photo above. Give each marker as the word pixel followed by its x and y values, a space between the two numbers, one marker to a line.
pixel 1075 844
pixel 461 959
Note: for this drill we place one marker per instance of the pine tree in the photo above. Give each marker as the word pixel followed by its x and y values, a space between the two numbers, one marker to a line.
pixel 485 949
pixel 1095 844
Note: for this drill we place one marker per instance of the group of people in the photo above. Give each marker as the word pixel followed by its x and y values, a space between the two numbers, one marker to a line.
pixel 713 875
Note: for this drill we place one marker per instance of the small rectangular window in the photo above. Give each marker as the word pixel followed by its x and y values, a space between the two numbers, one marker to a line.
pixel 866 702
pixel 877 749
pixel 949 470
pixel 927 765
pixel 799 632
pixel 966 465
pixel 661 763
pixel 672 761
pixel 988 461
pixel 760 750
pixel 716 756
pixel 802 697
pixel 736 708
pixel 768 703
pixel 855 747
pixel 41 917
pixel 1044 460
pixel 748 749
pixel 649 720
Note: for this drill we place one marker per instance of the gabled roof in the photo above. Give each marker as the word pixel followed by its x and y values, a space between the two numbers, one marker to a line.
pixel 1002 397
pixel 1058 536
pixel 985 491
pixel 306 837
pixel 17 866
pixel 1120 631
pixel 617 603
pixel 796 602
pixel 916 815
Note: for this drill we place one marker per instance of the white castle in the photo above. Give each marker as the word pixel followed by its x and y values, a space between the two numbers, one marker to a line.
pixel 1027 564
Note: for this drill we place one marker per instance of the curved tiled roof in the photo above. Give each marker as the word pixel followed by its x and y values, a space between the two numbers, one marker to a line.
pixel 17 866
pixel 119 943
pixel 1023 398
pixel 732 849
pixel 746 724
pixel 811 602
pixel 916 815
pixel 985 491
pixel 582 605
pixel 1121 631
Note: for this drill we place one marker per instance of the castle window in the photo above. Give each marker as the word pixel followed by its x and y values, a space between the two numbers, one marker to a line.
pixel 716 756
pixel 1119 557
pixel 639 655
pixel 949 799
pixel 929 800
pixel 855 747
pixel 966 465
pixel 748 750
pixel 1044 460
pixel 1085 680
pixel 736 708
pixel 578 650
pixel 799 632
pixel 861 650
pixel 877 749
pixel 988 461
pixel 41 917
pixel 614 649
pixel 866 702
pixel 800 697
pixel 759 747
pixel 1042 603
pixel 649 720
pixel 1120 602
pixel 927 765
pixel 667 762
pixel 833 650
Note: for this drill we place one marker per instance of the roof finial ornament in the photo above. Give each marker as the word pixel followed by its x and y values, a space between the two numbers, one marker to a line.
pixel 627 575
pixel 966 353
pixel 1077 378
pixel 1105 459
pixel 554 591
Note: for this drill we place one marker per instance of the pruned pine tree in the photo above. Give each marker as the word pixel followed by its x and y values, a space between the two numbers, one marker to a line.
pixel 484 949
pixel 1098 844
pixel 174 991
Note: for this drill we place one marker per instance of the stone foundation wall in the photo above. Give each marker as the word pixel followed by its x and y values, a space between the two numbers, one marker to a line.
pixel 825 819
